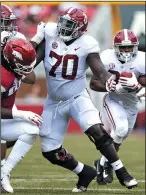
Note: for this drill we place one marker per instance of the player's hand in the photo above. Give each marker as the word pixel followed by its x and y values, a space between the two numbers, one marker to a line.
pixel 27 116
pixel 130 83
pixel 41 30
pixel 40 35
pixel 111 84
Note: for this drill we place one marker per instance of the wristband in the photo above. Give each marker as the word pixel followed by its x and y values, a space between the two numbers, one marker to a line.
pixel 37 39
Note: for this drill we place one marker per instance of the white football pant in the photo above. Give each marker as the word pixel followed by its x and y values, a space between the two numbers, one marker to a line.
pixel 121 117
pixel 56 118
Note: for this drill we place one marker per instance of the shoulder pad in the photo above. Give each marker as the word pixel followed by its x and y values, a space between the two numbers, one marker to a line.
pixel 51 29
pixel 20 35
pixel 89 43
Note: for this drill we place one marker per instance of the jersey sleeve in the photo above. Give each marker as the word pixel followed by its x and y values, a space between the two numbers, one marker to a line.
pixel 91 44
pixel 141 64
pixel 104 58
pixel 7 79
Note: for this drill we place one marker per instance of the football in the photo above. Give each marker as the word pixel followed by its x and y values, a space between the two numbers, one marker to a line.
pixel 126 74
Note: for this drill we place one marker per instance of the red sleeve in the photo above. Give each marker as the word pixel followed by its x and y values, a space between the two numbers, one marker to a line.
pixel 7 78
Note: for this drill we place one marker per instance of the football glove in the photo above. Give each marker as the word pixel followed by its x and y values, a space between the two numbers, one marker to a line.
pixel 40 35
pixel 27 116
pixel 130 83
pixel 111 84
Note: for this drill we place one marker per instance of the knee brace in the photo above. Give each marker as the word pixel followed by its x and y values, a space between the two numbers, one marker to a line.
pixel 99 136
pixel 28 138
pixel 61 157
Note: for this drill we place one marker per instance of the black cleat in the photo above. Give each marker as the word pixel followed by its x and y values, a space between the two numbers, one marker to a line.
pixel 85 177
pixel 125 178
pixel 108 172
pixel 99 172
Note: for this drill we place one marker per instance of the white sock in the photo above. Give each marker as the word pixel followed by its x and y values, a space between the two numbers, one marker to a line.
pixel 78 168
pixel 19 150
pixel 3 162
pixel 117 165
pixel 103 160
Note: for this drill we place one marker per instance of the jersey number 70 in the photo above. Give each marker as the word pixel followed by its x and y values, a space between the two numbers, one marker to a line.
pixel 64 61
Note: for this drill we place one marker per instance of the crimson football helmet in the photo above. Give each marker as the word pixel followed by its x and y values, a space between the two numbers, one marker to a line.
pixel 8 19
pixel 125 38
pixel 20 55
pixel 72 23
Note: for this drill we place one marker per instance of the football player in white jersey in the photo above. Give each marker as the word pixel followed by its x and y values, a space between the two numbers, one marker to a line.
pixel 17 64
pixel 120 106
pixel 67 53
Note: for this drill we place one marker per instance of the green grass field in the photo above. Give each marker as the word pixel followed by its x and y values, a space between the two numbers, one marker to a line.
pixel 36 176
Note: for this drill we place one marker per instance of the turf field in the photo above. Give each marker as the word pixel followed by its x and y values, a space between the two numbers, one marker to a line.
pixel 35 176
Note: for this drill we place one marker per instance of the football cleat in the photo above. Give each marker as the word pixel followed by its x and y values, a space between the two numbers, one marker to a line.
pixel 125 178
pixel 85 177
pixel 108 172
pixel 5 183
pixel 99 172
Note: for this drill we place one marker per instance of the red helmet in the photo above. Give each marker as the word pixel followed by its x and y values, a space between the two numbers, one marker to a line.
pixel 8 19
pixel 72 23
pixel 20 55
pixel 125 38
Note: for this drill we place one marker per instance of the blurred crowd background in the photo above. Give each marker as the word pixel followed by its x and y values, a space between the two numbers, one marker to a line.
pixel 104 21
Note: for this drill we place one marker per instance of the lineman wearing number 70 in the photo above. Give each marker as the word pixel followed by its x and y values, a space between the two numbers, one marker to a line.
pixel 67 53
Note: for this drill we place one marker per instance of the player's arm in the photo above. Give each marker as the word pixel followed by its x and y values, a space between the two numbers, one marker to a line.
pixel 24 115
pixel 6 113
pixel 101 76
pixel 39 36
pixel 38 42
pixel 30 78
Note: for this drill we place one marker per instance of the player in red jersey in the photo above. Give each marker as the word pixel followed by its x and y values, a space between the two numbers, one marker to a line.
pixel 8 30
pixel 18 60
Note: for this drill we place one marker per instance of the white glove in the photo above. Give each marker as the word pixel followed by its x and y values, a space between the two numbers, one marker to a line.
pixel 111 84
pixel 141 93
pixel 130 83
pixel 120 89
pixel 40 35
pixel 27 116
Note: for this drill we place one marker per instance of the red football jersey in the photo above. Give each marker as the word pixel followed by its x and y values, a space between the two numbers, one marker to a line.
pixel 9 86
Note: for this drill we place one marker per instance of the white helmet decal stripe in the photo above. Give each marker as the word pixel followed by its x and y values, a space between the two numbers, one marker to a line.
pixel 126 34
pixel 70 10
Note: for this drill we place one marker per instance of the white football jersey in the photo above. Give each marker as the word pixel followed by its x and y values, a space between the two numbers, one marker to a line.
pixel 66 66
pixel 137 66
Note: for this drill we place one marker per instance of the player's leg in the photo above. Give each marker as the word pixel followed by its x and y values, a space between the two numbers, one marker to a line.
pixel 87 116
pixel 117 117
pixel 4 146
pixel 10 144
pixel 52 134
pixel 26 134
pixel 3 151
